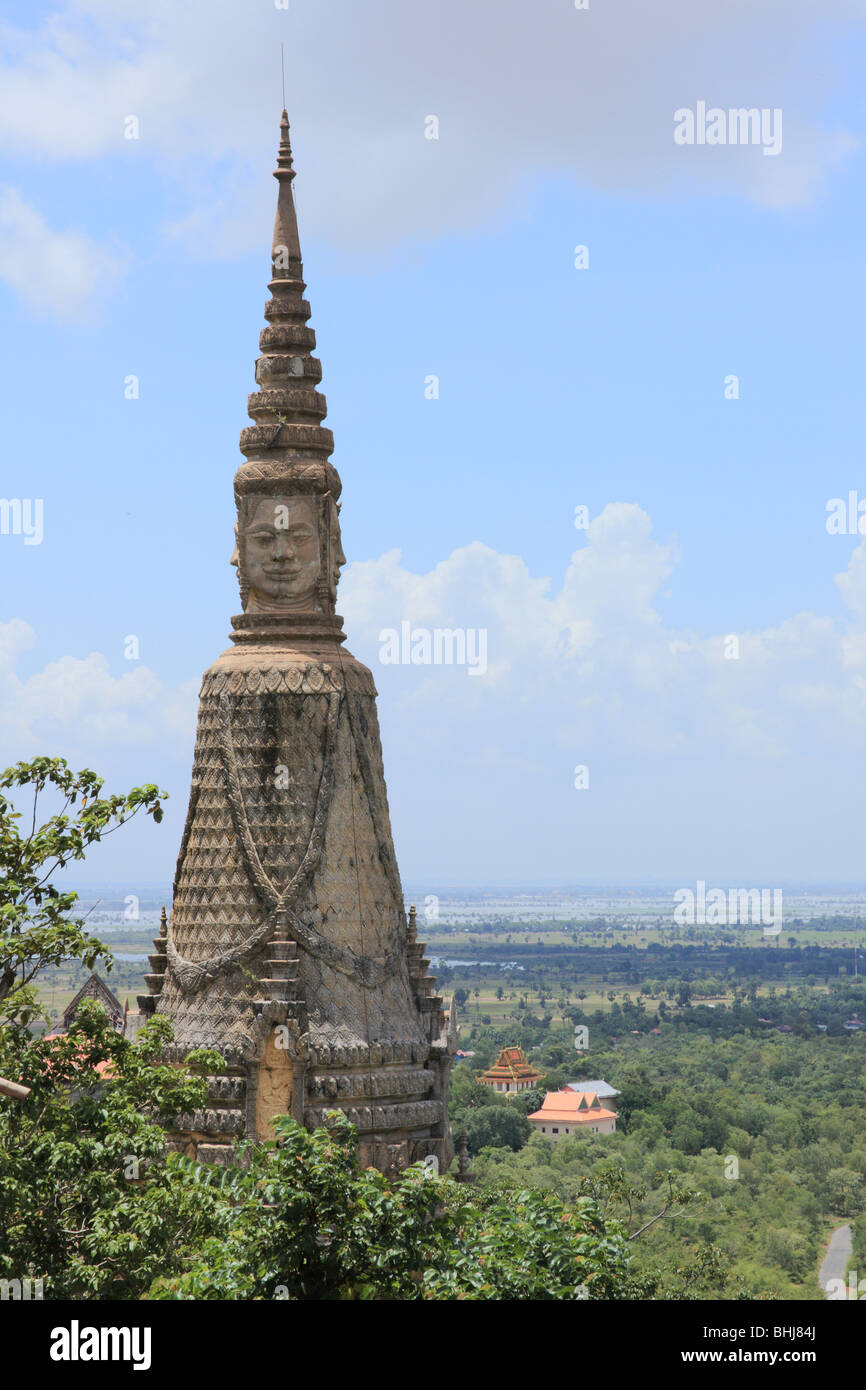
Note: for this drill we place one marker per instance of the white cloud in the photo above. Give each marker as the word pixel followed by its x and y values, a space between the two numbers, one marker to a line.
pixel 520 91
pixel 700 766
pixel 694 758
pixel 57 273
pixel 594 654
pixel 77 709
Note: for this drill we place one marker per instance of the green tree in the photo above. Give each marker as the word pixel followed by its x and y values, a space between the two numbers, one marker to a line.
pixel 87 1202
pixel 35 927
pixel 846 1191
pixel 552 1081
pixel 496 1126
pixel 468 1094
pixel 307 1223
pixel 84 1193
pixel 528 1101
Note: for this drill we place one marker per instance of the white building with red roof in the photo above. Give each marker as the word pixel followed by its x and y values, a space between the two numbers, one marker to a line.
pixel 572 1112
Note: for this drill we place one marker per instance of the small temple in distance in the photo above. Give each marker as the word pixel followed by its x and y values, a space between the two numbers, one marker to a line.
pixel 288 947
pixel 93 988
pixel 512 1072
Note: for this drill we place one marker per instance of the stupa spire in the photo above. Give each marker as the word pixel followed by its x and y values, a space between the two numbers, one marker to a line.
pixel 287 410
pixel 287 244
pixel 288 949
pixel 287 447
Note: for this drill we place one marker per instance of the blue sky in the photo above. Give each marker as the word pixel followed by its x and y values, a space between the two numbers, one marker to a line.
pixel 558 386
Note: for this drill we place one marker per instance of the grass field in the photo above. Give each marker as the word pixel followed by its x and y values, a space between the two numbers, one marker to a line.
pixel 459 940
pixel 127 980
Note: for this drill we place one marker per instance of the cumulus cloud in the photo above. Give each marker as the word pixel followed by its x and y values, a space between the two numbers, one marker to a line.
pixel 520 91
pixel 130 729
pixel 595 655
pixel 76 708
pixel 706 755
pixel 57 273
pixel 700 750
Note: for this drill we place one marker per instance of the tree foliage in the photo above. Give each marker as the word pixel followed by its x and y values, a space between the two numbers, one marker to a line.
pixel 306 1222
pixel 88 1201
pixel 35 927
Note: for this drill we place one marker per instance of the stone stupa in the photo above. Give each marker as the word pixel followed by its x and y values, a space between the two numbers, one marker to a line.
pixel 288 947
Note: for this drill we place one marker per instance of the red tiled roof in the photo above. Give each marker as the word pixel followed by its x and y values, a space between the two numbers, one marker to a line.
pixel 103 1068
pixel 573 1107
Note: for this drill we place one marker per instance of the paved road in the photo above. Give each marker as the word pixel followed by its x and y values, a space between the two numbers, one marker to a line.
pixel 836 1259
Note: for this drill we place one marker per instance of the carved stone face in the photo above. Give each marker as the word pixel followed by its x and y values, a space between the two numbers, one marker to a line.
pixel 281 555
pixel 338 559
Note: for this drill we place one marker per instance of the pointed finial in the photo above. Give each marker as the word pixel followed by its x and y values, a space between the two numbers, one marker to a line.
pixel 163 923
pixel 413 921
pixel 286 250
pixel 284 152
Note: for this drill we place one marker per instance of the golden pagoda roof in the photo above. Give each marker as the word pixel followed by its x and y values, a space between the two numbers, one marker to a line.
pixel 512 1065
